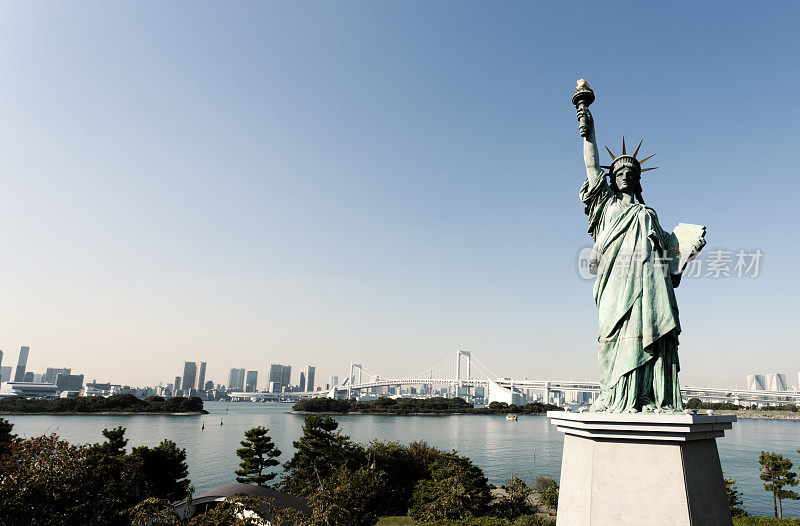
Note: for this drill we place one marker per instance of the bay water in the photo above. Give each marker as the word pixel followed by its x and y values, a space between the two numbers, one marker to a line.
pixel 529 447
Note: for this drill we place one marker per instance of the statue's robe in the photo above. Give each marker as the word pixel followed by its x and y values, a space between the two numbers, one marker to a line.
pixel 639 327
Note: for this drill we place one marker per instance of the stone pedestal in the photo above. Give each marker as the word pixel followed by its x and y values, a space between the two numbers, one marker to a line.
pixel 641 469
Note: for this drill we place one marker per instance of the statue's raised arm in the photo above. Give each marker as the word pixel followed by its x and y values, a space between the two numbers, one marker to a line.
pixel 582 98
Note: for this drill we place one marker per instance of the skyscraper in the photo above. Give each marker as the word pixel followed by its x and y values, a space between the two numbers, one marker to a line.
pixel 279 375
pixel 236 380
pixel 251 382
pixel 189 376
pixel 177 386
pixel 1 358
pixel 333 381
pixel 22 363
pixel 52 372
pixel 310 372
pixel 201 377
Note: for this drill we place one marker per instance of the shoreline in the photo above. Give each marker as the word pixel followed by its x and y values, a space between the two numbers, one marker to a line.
pixel 747 414
pixel 432 413
pixel 102 413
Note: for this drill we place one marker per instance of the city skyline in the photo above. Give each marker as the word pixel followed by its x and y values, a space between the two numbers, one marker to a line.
pixel 383 188
pixel 246 380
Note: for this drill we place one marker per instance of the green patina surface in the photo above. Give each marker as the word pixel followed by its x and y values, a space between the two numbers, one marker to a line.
pixel 634 290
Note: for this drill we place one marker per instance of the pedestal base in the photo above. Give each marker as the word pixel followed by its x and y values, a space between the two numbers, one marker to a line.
pixel 641 469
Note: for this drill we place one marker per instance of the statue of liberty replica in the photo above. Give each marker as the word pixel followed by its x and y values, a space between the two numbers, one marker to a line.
pixel 637 458
pixel 638 267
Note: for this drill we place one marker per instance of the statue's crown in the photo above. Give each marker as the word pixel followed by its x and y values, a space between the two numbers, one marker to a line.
pixel 624 159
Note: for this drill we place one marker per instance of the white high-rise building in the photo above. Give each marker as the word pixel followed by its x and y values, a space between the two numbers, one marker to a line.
pixel 755 382
pixel 776 382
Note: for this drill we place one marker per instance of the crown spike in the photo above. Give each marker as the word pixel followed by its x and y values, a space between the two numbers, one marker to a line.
pixel 646 169
pixel 611 154
pixel 646 158
pixel 623 145
pixel 637 148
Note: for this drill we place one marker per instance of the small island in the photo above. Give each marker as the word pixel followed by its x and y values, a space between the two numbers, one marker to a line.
pixel 115 404
pixel 416 406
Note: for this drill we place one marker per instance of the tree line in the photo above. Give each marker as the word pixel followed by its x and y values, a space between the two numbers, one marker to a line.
pixel 401 406
pixel 121 403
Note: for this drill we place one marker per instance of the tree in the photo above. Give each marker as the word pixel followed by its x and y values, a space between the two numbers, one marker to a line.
pixel 5 431
pixel 48 481
pixel 776 470
pixel 347 498
pixel 400 467
pixel 258 453
pixel 734 499
pixel 693 403
pixel 457 489
pixel 6 436
pixel 115 443
pixel 321 450
pixel 516 501
pixel 547 489
pixel 163 470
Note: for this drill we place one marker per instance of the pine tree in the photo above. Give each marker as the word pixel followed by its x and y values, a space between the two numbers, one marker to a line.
pixel 734 498
pixel 258 454
pixel 777 470
pixel 321 450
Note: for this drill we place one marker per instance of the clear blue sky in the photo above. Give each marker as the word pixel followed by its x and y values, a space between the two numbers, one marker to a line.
pixel 380 182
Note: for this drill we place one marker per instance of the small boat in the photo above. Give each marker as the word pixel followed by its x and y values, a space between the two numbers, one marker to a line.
pixel 513 417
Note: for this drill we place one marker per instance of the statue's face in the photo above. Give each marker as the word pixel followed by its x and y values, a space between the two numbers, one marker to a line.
pixel 625 178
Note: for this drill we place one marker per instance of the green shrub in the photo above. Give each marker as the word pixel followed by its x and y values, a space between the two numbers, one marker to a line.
pixel 516 500
pixel 547 489
pixel 457 490
pixel 764 521
pixel 534 520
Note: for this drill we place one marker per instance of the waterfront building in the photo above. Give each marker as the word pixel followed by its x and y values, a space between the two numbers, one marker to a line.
pixel 251 382
pixel 28 377
pixel 189 375
pixel 1 358
pixel 236 380
pixel 776 382
pixel 307 378
pixel 69 382
pixel 209 385
pixel 281 374
pixel 5 373
pixel 51 373
pixel 756 382
pixel 201 377
pixel 32 389
pixel 274 387
pixel 22 363
pixel 333 381
pixel 177 386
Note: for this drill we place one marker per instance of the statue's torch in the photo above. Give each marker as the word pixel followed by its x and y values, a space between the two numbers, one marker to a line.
pixel 582 97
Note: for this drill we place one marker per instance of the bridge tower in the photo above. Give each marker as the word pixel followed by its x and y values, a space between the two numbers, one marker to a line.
pixel 352 377
pixel 459 381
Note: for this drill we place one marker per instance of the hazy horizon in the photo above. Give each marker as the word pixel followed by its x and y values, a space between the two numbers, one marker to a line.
pixel 380 183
